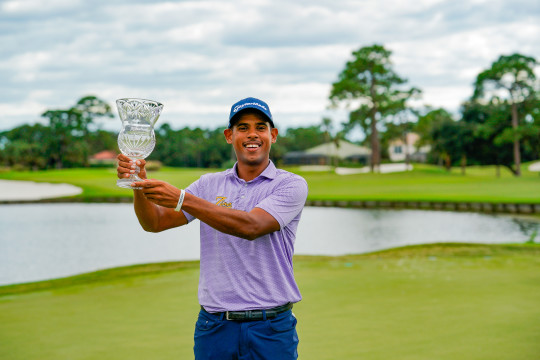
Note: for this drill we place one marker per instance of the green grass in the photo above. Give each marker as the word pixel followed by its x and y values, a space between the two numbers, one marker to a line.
pixel 425 183
pixel 450 301
pixel 428 183
pixel 99 183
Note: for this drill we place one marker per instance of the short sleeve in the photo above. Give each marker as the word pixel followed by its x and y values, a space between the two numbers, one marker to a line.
pixel 286 201
pixel 194 189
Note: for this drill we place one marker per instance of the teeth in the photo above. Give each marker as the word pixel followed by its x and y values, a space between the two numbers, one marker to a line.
pixel 252 146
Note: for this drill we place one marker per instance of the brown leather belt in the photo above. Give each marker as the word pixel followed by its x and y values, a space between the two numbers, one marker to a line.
pixel 253 315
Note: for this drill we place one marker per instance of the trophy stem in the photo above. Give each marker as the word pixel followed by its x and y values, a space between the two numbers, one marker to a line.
pixel 126 183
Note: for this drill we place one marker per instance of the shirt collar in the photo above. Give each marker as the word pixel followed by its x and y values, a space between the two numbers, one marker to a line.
pixel 270 171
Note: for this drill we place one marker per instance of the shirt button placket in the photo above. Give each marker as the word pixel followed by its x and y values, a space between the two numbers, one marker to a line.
pixel 241 196
pixel 244 191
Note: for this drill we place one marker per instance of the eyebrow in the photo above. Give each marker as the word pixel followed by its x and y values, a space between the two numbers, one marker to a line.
pixel 256 124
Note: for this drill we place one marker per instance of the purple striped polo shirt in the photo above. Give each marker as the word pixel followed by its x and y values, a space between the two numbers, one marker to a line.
pixel 237 274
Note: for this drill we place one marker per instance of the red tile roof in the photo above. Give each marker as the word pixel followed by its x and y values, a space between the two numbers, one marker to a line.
pixel 104 155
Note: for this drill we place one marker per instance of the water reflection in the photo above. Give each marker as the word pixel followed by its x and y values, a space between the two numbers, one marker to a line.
pixel 43 241
pixel 528 227
pixel 349 231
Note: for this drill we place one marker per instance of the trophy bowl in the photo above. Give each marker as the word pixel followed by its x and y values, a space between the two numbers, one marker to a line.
pixel 137 138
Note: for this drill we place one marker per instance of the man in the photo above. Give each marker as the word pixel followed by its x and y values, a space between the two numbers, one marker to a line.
pixel 248 217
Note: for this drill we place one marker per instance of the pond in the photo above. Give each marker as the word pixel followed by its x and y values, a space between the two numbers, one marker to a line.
pixel 46 241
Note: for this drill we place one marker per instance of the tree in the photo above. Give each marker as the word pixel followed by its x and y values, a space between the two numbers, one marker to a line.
pixel 326 126
pixel 302 138
pixel 425 125
pixel 491 134
pixel 69 129
pixel 191 147
pixel 452 141
pixel 511 78
pixel 25 146
pixel 100 140
pixel 427 121
pixel 369 82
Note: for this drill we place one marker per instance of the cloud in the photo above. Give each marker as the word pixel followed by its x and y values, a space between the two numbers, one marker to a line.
pixel 198 57
pixel 28 8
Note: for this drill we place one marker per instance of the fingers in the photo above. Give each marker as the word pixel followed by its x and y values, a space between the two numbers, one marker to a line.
pixel 152 190
pixel 124 170
pixel 130 164
pixel 123 158
pixel 126 167
pixel 147 183
pixel 126 160
pixel 158 192
pixel 149 187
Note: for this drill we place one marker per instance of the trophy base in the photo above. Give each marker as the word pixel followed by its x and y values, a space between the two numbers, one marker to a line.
pixel 126 183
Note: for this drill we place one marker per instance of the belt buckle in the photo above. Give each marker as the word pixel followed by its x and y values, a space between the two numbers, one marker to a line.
pixel 247 315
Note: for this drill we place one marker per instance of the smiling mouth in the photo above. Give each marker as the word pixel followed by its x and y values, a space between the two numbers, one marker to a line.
pixel 252 146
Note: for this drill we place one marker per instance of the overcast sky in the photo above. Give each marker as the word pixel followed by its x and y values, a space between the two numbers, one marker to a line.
pixel 199 57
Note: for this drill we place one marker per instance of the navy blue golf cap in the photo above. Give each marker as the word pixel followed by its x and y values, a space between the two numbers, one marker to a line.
pixel 250 103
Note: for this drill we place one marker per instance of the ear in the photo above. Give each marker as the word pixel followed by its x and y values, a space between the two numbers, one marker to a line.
pixel 228 135
pixel 274 134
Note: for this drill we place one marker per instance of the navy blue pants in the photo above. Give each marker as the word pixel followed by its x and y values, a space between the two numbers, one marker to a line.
pixel 218 338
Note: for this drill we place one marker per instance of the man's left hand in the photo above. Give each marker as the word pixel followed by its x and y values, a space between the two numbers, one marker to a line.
pixel 159 192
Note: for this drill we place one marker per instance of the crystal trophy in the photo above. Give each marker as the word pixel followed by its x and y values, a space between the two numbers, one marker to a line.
pixel 137 138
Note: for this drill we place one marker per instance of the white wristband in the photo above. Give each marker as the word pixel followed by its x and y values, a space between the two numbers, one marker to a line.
pixel 180 200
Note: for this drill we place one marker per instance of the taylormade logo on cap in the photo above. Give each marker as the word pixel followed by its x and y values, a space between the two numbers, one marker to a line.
pixel 239 107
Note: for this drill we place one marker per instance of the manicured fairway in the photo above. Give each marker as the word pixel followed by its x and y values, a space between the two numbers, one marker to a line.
pixel 100 183
pixel 425 183
pixel 427 302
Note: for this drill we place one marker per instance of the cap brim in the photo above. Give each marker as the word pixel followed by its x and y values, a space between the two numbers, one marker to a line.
pixel 233 120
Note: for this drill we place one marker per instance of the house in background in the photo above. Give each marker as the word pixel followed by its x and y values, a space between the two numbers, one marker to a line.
pixel 326 154
pixel 105 157
pixel 399 150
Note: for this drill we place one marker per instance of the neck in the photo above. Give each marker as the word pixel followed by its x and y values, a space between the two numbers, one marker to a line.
pixel 249 172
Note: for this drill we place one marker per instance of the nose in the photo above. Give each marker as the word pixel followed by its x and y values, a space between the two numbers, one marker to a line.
pixel 252 133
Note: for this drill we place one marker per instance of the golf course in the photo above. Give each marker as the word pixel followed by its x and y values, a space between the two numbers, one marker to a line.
pixel 432 301
pixel 424 183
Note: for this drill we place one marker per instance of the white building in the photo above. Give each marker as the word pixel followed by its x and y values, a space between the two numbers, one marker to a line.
pixel 326 153
pixel 399 150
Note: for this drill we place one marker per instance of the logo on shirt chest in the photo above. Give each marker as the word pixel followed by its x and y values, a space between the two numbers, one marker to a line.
pixel 220 201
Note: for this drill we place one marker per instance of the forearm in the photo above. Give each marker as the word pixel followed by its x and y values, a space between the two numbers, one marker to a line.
pixel 155 204
pixel 147 212
pixel 247 225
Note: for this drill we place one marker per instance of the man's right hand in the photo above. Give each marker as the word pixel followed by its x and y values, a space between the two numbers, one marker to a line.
pixel 126 167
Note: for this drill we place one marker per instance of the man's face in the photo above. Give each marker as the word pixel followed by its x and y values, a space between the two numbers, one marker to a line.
pixel 252 139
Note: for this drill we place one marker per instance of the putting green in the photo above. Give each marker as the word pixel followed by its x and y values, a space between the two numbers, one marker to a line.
pixel 423 302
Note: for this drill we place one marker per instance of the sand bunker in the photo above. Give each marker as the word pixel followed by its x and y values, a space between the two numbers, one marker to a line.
pixel 11 190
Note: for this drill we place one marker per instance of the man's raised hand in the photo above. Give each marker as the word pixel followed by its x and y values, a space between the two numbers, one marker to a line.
pixel 127 167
